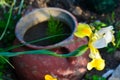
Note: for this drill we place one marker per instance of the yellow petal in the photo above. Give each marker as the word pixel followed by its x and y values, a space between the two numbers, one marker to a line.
pixel 113 41
pixel 90 66
pixel 49 77
pixel 94 52
pixel 83 30
pixel 99 64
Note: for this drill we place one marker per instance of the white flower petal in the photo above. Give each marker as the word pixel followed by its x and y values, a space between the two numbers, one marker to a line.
pixel 100 43
pixel 104 30
pixel 108 37
pixel 104 36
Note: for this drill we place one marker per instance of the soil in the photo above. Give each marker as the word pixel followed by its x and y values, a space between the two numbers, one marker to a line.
pixel 42 27
pixel 86 16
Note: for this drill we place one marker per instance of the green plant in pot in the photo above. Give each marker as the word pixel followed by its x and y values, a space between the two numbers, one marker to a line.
pixel 55 28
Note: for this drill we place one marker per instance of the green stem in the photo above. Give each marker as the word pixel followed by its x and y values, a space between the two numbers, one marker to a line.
pixel 7 61
pixel 118 44
pixel 20 7
pixel 78 52
pixel 3 3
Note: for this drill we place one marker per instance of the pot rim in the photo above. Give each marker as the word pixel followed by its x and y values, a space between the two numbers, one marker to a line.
pixel 65 41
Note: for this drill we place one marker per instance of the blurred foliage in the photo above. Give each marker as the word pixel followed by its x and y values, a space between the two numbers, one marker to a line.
pixel 94 77
pixel 97 25
pixel 111 20
pixel 8 20
pixel 3 65
pixel 102 6
pixel 9 35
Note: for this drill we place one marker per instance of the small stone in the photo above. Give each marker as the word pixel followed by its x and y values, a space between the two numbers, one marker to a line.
pixel 41 3
pixel 117 55
pixel 108 73
pixel 116 74
pixel 77 11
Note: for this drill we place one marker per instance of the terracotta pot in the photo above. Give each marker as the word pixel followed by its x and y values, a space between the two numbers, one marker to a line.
pixel 35 67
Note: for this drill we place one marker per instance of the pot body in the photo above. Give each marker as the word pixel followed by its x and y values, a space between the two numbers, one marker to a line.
pixel 35 67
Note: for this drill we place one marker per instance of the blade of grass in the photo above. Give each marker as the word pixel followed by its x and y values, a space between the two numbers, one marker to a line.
pixel 20 6
pixel 7 61
pixel 78 52
pixel 19 45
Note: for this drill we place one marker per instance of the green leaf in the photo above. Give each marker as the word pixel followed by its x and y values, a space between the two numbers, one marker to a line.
pixel 1 74
pixel 2 24
pixel 96 77
pixel 78 52
pixel 6 61
pixel 111 50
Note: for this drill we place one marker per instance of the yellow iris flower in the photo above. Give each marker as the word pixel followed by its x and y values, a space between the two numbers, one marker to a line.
pixel 49 77
pixel 98 39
